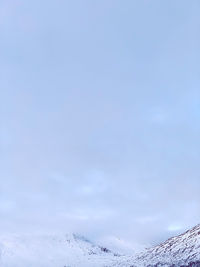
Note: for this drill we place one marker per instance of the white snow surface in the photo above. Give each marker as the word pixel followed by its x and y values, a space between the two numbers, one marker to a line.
pixel 182 250
pixel 52 251
pixel 75 251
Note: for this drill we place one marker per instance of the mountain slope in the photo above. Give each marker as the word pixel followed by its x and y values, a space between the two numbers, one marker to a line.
pixel 182 250
pixel 76 251
pixel 52 251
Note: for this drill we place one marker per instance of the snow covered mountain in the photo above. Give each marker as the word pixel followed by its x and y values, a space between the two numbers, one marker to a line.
pixel 179 251
pixel 182 250
pixel 52 251
pixel 76 251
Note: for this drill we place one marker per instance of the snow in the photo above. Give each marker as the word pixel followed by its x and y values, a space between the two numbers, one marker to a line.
pixel 182 250
pixel 52 251
pixel 75 251
pixel 121 246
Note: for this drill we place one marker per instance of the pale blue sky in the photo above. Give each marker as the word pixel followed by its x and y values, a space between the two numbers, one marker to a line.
pixel 100 116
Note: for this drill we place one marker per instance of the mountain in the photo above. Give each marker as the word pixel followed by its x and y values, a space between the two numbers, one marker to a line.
pixel 76 251
pixel 182 250
pixel 52 251
pixel 179 251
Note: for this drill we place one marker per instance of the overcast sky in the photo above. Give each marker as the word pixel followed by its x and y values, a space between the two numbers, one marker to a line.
pixel 100 117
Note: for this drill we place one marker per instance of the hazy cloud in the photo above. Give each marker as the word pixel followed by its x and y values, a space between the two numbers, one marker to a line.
pixel 99 117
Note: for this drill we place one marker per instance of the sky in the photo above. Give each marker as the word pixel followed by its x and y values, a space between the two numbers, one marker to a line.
pixel 100 117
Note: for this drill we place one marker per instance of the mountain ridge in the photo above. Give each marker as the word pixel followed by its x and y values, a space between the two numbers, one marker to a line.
pixel 178 251
pixel 74 250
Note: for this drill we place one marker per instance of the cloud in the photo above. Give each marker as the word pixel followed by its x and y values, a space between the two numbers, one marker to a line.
pixel 98 118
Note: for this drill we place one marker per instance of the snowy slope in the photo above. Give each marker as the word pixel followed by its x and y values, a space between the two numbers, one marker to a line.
pixel 76 251
pixel 52 251
pixel 182 250
pixel 120 246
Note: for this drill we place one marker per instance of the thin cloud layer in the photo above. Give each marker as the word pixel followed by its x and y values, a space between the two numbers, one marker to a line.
pixel 99 118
